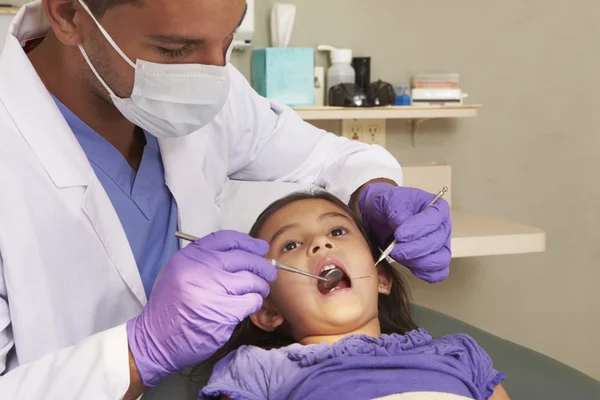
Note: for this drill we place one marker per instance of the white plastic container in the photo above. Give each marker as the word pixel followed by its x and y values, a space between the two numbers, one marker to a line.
pixel 341 70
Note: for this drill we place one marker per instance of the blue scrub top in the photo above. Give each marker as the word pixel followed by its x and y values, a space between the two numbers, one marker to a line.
pixel 143 202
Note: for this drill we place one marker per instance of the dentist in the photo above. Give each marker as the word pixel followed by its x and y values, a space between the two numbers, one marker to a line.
pixel 122 121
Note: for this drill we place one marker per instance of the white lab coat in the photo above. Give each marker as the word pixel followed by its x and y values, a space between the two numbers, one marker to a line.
pixel 68 278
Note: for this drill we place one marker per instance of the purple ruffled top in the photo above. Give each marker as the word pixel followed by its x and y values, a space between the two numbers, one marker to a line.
pixel 359 345
pixel 357 367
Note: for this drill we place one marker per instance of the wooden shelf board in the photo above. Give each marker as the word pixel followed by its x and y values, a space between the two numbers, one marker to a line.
pixel 475 235
pixel 9 10
pixel 390 112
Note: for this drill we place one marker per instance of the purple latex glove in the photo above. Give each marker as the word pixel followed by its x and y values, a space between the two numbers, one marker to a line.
pixel 205 290
pixel 423 237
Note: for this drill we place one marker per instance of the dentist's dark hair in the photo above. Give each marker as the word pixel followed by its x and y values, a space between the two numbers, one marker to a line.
pixel 394 309
pixel 99 7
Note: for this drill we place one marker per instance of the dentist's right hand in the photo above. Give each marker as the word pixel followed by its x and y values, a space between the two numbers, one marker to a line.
pixel 199 297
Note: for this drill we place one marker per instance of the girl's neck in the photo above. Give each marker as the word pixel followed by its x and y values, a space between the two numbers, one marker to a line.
pixel 371 328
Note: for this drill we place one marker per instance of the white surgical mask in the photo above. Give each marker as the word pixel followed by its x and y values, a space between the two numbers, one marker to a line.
pixel 169 100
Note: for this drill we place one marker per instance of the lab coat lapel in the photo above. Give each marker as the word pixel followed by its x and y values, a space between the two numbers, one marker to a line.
pixel 38 119
pixel 99 209
pixel 183 160
pixel 43 127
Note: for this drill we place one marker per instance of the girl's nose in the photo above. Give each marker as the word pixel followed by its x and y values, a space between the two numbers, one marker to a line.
pixel 321 244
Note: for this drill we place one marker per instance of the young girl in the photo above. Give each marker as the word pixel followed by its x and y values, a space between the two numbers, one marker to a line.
pixel 355 341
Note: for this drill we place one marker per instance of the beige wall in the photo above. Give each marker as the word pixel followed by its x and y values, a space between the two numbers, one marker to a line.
pixel 533 154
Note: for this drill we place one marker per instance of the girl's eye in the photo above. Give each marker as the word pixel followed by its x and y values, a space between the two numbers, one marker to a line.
pixel 291 246
pixel 338 232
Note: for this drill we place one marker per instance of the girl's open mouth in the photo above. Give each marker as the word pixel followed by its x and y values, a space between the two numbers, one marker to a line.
pixel 340 279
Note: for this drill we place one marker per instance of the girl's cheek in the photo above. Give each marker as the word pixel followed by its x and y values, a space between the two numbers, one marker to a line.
pixel 272 254
pixel 281 286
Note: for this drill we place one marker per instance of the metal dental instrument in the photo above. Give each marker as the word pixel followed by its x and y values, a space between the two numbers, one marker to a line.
pixel 333 277
pixel 275 263
pixel 388 250
pixel 284 267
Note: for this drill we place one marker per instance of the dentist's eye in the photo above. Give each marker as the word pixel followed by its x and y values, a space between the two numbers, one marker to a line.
pixel 338 232
pixel 290 246
pixel 173 53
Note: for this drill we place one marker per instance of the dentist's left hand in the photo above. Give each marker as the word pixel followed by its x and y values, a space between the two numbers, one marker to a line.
pixel 391 212
pixel 200 296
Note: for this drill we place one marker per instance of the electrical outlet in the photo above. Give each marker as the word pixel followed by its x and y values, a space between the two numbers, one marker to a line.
pixel 375 132
pixel 371 131
pixel 354 132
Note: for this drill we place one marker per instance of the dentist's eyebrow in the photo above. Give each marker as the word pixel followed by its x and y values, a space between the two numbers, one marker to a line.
pixel 281 231
pixel 178 39
pixel 175 39
pixel 333 214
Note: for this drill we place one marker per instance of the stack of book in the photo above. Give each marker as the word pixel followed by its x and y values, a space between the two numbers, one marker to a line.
pixel 436 90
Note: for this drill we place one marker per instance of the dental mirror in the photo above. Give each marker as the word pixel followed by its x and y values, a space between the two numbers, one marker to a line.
pixel 333 276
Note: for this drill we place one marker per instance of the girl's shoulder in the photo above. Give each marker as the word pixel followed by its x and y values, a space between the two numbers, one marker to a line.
pixel 250 373
pixel 255 357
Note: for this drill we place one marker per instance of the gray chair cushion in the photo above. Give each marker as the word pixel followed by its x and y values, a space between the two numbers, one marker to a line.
pixel 530 375
pixel 183 386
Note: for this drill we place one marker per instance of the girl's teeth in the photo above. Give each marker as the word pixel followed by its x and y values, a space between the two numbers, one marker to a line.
pixel 328 267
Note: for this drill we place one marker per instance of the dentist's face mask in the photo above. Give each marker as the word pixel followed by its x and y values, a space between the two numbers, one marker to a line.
pixel 169 100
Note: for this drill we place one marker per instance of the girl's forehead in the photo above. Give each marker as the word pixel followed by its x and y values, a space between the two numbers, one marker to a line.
pixel 307 209
pixel 302 212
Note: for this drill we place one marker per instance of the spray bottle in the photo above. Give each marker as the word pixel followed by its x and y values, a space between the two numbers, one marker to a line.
pixel 341 70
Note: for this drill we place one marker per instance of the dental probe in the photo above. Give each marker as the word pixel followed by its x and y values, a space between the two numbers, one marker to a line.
pixel 389 249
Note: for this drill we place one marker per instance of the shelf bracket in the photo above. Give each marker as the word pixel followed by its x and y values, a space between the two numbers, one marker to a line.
pixel 413 126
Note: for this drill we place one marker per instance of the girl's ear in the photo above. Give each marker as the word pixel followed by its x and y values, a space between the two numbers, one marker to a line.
pixel 385 280
pixel 268 318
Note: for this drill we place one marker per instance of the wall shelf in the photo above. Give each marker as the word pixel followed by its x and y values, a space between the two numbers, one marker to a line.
pixel 391 112
pixel 9 10
pixel 475 235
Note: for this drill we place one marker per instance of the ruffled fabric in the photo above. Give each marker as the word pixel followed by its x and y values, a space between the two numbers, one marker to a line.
pixel 359 345
pixel 497 378
pixel 233 394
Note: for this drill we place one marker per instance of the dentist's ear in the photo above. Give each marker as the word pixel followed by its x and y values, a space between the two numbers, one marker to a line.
pixel 385 281
pixel 63 18
pixel 268 318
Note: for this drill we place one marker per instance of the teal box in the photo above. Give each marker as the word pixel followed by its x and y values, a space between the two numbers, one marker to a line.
pixel 285 74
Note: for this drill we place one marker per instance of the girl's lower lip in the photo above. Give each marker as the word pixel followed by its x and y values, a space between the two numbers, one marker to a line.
pixel 337 292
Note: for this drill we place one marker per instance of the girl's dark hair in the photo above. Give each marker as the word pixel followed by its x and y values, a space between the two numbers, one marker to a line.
pixel 394 309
